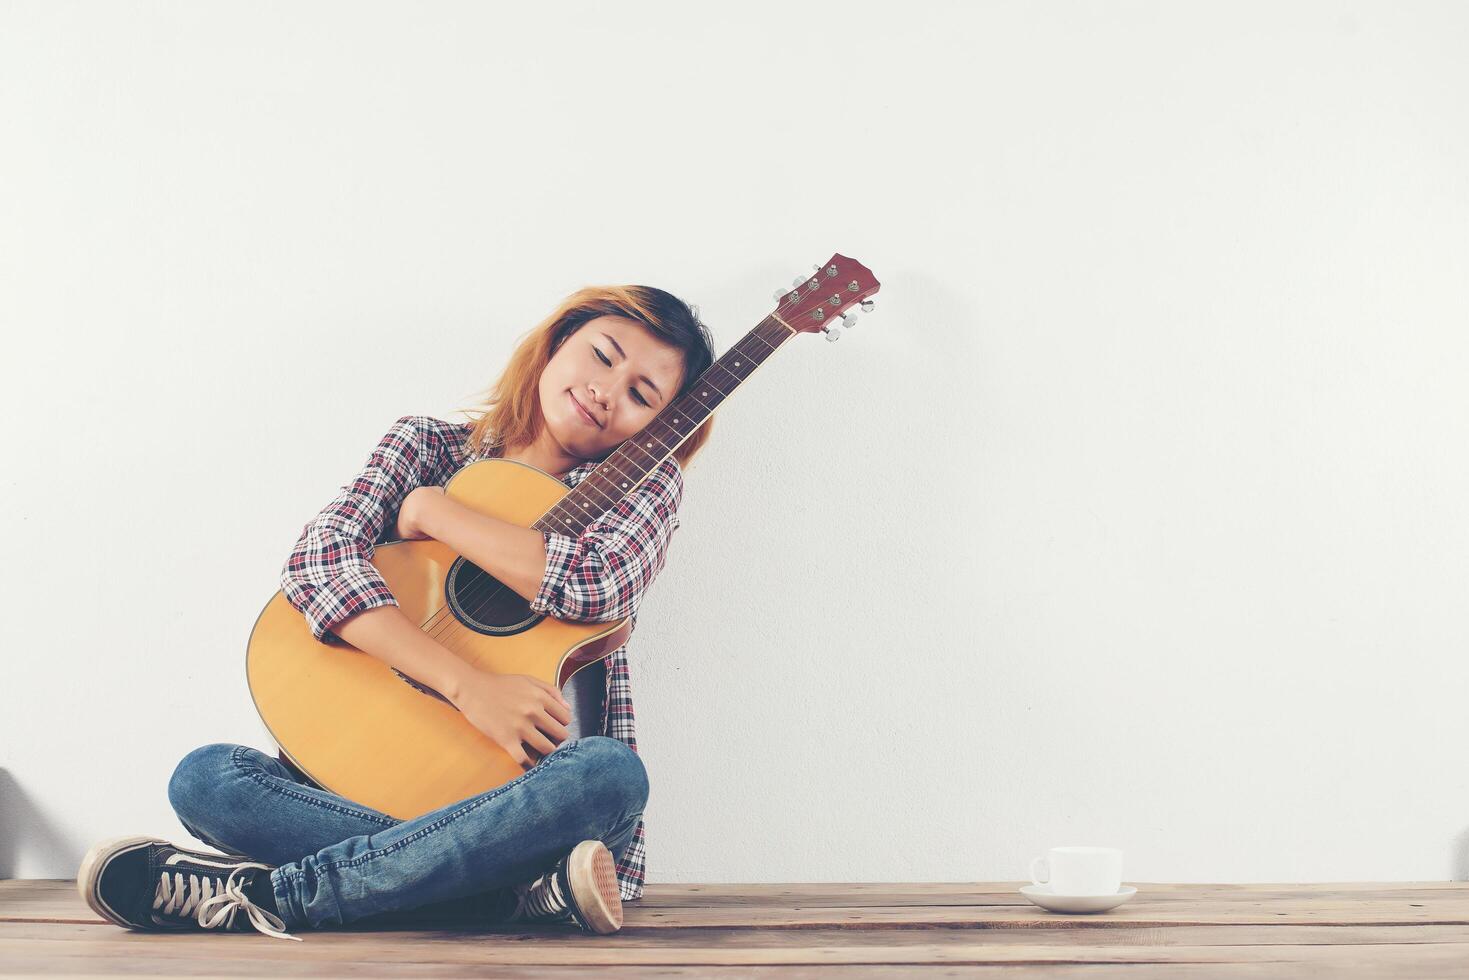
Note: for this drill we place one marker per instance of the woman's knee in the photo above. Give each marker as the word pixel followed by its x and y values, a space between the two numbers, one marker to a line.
pixel 615 772
pixel 197 779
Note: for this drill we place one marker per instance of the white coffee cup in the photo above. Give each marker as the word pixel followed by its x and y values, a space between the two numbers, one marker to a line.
pixel 1080 870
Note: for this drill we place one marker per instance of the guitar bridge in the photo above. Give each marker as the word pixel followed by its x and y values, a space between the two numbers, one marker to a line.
pixel 422 688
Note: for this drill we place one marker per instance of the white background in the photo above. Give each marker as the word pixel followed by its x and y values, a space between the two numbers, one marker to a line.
pixel 1134 515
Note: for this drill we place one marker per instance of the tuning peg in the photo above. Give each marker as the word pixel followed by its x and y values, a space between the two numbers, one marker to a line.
pixel 832 332
pixel 780 294
pixel 849 320
pixel 867 305
pixel 798 282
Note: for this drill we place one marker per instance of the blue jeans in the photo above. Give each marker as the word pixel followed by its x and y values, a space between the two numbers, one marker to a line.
pixel 338 862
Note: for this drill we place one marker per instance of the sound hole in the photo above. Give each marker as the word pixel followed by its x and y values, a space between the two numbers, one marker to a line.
pixel 484 603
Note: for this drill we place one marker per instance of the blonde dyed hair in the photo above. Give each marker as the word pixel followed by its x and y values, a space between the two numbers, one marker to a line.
pixel 510 416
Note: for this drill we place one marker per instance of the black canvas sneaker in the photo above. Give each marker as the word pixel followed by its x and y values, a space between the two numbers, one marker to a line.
pixel 147 883
pixel 582 888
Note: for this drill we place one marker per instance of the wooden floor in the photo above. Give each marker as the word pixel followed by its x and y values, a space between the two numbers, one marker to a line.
pixel 1417 929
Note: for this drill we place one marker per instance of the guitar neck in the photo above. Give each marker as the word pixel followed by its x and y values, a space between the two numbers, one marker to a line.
pixel 617 475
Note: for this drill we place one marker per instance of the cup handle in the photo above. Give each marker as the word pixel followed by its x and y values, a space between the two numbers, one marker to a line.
pixel 1035 878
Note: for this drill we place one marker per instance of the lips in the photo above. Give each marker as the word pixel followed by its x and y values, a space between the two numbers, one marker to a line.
pixel 586 416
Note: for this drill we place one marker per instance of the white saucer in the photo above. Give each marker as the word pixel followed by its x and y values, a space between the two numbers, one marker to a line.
pixel 1047 899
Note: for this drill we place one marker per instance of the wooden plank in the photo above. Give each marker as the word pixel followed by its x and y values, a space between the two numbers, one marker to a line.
pixel 1425 966
pixel 1397 929
pixel 658 892
pixel 989 917
pixel 40 966
pixel 833 897
pixel 632 936
pixel 1002 893
pixel 72 948
pixel 43 901
pixel 58 903
pixel 1134 914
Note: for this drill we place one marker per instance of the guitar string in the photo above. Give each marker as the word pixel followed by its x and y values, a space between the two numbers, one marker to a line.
pixel 446 628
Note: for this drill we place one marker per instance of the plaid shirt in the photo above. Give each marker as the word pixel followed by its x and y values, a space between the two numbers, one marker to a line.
pixel 598 577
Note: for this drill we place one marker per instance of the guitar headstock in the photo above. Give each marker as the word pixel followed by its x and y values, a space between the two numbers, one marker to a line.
pixel 820 302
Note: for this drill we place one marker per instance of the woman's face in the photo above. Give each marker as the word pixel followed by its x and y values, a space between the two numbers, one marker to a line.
pixel 615 370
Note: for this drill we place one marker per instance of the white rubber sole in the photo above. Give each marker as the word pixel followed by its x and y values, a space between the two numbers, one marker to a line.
pixel 90 873
pixel 592 874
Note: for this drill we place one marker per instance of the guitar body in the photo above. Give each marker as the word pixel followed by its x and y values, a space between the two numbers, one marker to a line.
pixel 359 728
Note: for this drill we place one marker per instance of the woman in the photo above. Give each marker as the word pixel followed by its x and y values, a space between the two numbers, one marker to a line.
pixel 564 840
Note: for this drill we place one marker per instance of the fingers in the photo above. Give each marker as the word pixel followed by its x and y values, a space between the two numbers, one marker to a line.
pixel 542 724
pixel 539 743
pixel 557 732
pixel 556 704
pixel 551 689
pixel 558 711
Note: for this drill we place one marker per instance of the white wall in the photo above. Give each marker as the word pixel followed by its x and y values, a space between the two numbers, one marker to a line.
pixel 1134 515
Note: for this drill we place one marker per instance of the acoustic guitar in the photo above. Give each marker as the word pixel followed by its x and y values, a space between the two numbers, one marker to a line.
pixel 388 742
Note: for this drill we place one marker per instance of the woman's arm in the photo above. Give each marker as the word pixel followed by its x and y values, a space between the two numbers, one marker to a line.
pixel 599 576
pixel 390 636
pixel 603 574
pixel 513 554
pixel 330 580
pixel 327 576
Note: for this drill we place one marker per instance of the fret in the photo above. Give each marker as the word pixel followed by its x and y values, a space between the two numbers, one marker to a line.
pixel 648 439
pixel 766 340
pixel 711 378
pixel 739 367
pixel 716 366
pixel 621 479
pixel 700 394
pixel 658 442
pixel 641 462
pixel 754 344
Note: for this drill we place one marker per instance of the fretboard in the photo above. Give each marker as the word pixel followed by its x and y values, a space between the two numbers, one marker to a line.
pixel 617 475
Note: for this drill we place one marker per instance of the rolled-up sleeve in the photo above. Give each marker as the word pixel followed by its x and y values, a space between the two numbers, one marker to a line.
pixel 602 574
pixel 328 577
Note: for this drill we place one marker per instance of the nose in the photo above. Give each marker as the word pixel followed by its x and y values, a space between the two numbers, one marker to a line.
pixel 596 396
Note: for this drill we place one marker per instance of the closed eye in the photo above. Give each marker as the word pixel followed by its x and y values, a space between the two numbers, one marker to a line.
pixel 635 393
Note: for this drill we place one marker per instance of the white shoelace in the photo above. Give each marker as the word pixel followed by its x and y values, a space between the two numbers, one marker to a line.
pixel 542 898
pixel 195 895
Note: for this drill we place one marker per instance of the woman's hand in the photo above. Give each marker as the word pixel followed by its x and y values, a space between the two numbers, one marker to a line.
pixel 411 512
pixel 514 708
